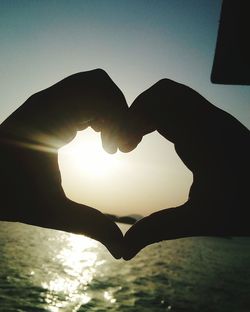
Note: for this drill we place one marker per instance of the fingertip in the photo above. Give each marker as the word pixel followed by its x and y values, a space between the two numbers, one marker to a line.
pixel 129 253
pixel 81 219
pixel 129 256
pixel 109 143
pixel 129 144
pixel 112 239
pixel 110 148
pixel 115 250
pixel 133 244
pixel 126 148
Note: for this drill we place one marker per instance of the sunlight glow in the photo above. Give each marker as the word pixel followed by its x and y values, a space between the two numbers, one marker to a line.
pixel 87 149
pixel 109 297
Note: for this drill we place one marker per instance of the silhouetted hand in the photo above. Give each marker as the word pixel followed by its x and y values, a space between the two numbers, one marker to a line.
pixel 31 190
pixel 213 145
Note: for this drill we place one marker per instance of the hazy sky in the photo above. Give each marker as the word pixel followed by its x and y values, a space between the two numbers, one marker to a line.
pixel 137 43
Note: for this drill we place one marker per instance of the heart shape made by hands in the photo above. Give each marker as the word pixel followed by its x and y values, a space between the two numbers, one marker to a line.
pixel 135 184
pixel 148 179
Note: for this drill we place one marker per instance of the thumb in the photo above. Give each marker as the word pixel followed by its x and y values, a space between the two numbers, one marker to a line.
pixel 80 219
pixel 163 225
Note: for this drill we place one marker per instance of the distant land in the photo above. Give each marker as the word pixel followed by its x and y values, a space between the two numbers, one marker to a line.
pixel 130 219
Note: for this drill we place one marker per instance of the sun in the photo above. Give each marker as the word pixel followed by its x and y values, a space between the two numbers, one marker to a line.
pixel 86 155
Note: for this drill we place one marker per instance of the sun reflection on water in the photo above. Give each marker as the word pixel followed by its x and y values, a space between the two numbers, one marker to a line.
pixel 78 260
pixel 109 296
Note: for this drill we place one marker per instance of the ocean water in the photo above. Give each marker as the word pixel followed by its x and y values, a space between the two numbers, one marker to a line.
pixel 45 270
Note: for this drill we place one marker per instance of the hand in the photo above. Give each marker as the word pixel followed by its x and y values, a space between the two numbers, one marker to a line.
pixel 30 137
pixel 213 145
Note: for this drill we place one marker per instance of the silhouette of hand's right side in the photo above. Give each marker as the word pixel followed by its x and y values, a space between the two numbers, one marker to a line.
pixel 213 145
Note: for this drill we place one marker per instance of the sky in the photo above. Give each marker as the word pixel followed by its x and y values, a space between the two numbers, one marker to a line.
pixel 137 43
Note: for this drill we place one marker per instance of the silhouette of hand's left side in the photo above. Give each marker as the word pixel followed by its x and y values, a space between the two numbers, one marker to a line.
pixel 30 137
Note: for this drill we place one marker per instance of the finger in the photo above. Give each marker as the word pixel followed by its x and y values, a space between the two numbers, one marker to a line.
pixel 111 131
pixel 97 124
pixel 80 219
pixel 174 110
pixel 163 225
pixel 129 137
pixel 141 118
pixel 52 116
pixel 137 124
pixel 169 105
pixel 109 142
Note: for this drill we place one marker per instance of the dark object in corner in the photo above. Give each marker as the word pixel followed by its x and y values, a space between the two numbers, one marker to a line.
pixel 232 55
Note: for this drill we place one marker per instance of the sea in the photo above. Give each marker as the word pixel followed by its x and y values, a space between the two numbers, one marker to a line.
pixel 53 271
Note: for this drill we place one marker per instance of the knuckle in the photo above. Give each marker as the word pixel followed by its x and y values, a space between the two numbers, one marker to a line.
pixel 100 73
pixel 166 83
